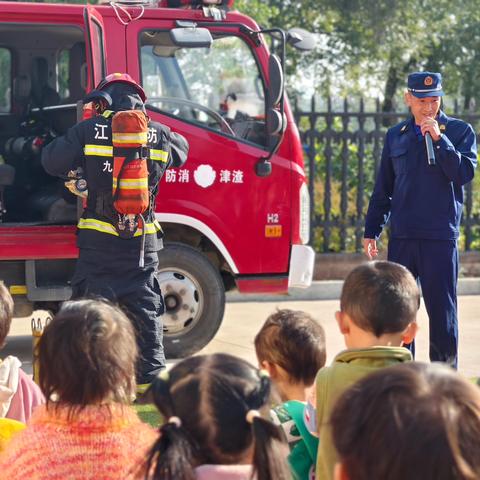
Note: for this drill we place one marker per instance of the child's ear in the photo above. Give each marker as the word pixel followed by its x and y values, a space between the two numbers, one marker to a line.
pixel 409 333
pixel 339 472
pixel 342 322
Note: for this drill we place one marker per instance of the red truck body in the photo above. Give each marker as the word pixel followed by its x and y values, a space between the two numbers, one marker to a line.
pixel 252 229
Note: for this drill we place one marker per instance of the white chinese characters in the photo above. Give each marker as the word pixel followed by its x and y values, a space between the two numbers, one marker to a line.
pixel 100 131
pixel 152 137
pixel 107 166
pixel 205 176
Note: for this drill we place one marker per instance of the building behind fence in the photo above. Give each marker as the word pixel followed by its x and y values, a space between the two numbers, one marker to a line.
pixel 343 146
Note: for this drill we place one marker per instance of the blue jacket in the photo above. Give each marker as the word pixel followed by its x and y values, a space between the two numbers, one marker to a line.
pixel 422 201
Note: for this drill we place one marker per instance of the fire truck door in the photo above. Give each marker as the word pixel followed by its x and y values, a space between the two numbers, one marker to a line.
pixel 94 37
pixel 215 98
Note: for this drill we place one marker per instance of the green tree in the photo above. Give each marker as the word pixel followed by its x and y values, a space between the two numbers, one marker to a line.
pixel 376 43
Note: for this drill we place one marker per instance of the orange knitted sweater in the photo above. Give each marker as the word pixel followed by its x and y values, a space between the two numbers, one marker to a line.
pixel 101 442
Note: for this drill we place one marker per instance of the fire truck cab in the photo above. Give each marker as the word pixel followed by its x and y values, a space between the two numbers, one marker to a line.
pixel 235 216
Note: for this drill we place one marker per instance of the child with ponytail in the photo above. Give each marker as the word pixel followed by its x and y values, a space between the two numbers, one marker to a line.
pixel 216 409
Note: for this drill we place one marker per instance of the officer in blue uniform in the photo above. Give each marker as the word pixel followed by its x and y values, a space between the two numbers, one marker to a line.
pixel 424 202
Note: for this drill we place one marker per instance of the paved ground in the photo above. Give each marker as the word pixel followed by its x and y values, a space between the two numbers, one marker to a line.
pixel 243 320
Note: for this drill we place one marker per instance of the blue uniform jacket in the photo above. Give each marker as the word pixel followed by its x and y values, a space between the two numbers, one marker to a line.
pixel 422 201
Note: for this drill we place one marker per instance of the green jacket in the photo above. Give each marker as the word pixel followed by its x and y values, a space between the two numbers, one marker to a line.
pixel 347 367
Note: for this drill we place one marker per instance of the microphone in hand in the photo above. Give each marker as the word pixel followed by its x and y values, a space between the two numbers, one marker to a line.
pixel 430 151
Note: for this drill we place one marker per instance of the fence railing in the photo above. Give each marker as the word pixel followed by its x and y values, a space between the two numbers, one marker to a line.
pixel 343 148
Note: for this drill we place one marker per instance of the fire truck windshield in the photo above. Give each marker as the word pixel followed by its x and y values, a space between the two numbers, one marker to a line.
pixel 218 88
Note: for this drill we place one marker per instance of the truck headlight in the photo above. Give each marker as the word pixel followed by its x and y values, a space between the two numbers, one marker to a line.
pixel 304 226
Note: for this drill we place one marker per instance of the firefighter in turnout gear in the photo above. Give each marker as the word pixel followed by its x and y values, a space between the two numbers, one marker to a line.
pixel 120 156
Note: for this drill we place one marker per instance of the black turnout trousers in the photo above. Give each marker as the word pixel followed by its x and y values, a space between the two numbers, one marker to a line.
pixel 117 277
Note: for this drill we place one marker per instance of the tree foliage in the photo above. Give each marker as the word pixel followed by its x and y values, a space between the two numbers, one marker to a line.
pixel 371 45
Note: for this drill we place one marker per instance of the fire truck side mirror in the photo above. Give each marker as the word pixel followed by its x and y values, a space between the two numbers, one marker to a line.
pixel 276 83
pixel 276 120
pixel 301 39
pixel 275 123
pixel 191 37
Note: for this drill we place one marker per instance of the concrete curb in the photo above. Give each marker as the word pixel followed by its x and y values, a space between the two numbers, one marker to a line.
pixel 330 290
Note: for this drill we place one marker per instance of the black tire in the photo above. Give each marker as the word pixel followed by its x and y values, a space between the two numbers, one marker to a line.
pixel 194 299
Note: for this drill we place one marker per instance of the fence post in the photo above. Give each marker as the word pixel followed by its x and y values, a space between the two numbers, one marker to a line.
pixel 327 202
pixel 377 134
pixel 361 180
pixel 312 153
pixel 344 192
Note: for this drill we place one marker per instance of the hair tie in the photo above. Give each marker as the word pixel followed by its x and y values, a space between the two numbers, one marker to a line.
pixel 175 421
pixel 251 415
pixel 262 373
pixel 164 375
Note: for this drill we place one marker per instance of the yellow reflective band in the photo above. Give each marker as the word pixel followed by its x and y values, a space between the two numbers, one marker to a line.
pixel 98 150
pixel 105 227
pixel 107 113
pixel 149 228
pixel 128 184
pixel 18 289
pixel 158 227
pixel 94 224
pixel 159 155
pixel 142 388
pixel 130 137
pixel 141 182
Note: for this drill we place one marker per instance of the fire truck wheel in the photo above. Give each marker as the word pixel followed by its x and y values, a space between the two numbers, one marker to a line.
pixel 194 297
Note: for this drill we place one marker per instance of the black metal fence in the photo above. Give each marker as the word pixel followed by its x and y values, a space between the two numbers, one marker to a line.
pixel 343 146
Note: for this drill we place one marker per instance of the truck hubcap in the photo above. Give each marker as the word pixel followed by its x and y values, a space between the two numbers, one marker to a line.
pixel 183 301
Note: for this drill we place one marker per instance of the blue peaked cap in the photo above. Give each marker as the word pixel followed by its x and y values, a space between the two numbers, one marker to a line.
pixel 425 84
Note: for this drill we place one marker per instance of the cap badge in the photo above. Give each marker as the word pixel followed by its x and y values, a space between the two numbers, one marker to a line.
pixel 428 81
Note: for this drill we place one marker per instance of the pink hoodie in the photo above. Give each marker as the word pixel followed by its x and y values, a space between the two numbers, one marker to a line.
pixel 19 394
pixel 223 472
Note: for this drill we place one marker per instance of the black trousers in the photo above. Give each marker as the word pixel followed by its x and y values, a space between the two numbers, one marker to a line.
pixel 117 277
pixel 435 264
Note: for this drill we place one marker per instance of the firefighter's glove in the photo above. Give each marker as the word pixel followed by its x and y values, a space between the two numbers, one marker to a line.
pixel 77 185
pixel 72 186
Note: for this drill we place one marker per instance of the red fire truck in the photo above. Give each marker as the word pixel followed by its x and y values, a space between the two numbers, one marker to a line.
pixel 235 216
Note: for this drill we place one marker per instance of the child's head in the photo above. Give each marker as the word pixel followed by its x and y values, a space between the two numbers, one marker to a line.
pixel 87 355
pixel 291 343
pixel 417 421
pixel 378 299
pixel 6 313
pixel 211 405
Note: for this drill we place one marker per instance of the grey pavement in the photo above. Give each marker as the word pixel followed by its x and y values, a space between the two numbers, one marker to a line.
pixel 243 320
pixel 330 290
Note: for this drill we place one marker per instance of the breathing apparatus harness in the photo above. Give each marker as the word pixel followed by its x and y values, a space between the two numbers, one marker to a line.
pixel 130 195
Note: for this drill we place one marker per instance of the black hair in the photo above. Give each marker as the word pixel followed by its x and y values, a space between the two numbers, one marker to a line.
pixel 412 421
pixel 295 341
pixel 211 396
pixel 380 297
pixel 87 354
